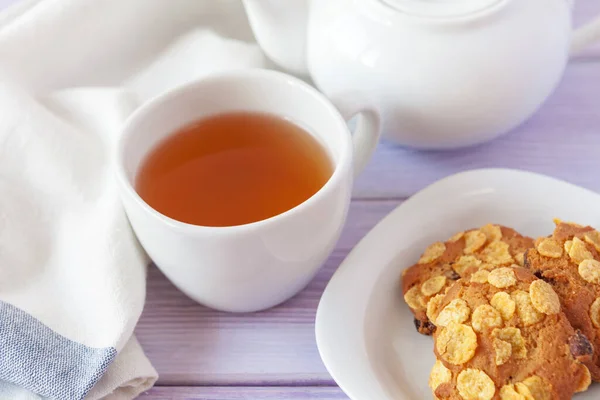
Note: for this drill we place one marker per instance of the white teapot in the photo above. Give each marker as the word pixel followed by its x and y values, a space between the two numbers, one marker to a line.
pixel 443 73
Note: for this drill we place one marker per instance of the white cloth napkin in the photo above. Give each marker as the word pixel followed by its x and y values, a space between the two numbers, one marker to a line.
pixel 72 275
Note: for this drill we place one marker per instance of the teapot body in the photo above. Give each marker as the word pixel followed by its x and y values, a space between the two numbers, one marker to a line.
pixel 441 81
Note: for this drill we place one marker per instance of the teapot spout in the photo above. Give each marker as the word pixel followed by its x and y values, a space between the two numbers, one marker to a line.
pixel 280 28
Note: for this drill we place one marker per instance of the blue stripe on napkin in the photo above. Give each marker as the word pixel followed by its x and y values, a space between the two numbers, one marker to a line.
pixel 40 360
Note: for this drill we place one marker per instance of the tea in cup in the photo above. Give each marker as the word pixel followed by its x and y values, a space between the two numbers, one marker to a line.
pixel 233 169
pixel 238 185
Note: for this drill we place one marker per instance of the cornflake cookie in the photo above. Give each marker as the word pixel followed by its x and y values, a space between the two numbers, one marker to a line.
pixel 569 261
pixel 515 344
pixel 442 264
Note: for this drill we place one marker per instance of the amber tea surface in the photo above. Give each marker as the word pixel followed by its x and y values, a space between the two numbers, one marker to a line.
pixel 233 169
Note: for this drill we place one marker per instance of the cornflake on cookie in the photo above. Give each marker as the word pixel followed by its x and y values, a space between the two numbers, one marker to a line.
pixel 473 253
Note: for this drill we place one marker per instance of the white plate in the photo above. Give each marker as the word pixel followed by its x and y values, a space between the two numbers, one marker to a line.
pixel 365 332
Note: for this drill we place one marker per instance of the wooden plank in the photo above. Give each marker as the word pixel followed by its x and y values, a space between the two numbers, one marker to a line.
pixel 192 345
pixel 561 140
pixel 244 393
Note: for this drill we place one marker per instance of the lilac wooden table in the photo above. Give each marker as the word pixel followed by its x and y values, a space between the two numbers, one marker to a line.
pixel 203 354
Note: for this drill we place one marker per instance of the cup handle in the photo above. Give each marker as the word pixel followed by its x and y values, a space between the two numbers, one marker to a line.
pixel 585 36
pixel 368 128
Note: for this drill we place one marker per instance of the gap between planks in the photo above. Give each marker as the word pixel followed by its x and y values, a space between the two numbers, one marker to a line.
pixel 243 393
pixel 585 59
pixel 384 199
pixel 329 383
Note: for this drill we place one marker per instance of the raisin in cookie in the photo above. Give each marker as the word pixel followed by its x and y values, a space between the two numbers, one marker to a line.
pixel 442 264
pixel 504 338
pixel 569 260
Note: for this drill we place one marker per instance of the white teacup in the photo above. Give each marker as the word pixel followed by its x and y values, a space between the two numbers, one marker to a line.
pixel 259 265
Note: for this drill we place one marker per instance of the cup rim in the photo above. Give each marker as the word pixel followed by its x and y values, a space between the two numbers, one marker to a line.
pixel 142 111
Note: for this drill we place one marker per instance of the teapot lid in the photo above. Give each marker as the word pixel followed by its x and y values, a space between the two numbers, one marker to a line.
pixel 440 8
